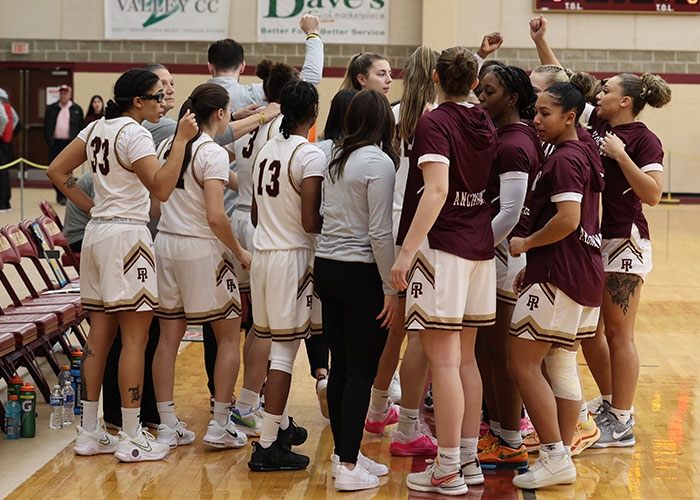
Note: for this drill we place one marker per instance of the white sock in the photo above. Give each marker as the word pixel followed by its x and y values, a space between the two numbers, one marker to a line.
pixel 495 427
pixel 448 459
pixel 166 410
pixel 583 413
pixel 270 426
pixel 512 438
pixel 284 419
pixel 221 412
pixel 131 423
pixel 607 398
pixel 556 451
pixel 622 415
pixel 89 420
pixel 468 449
pixel 247 399
pixel 380 400
pixel 408 420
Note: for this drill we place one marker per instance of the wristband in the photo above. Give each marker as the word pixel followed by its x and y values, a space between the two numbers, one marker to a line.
pixel 261 118
pixel 313 35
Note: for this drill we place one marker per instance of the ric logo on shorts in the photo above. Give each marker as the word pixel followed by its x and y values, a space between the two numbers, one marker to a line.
pixel 142 274
pixel 533 302
pixel 416 289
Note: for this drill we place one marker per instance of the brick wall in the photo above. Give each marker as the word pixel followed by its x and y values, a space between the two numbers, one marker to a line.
pixel 605 61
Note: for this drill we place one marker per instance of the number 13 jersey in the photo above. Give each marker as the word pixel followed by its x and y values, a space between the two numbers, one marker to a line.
pixel 112 146
pixel 278 171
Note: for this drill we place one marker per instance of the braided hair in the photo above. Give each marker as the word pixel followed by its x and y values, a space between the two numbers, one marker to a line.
pixel 133 83
pixel 516 81
pixel 297 101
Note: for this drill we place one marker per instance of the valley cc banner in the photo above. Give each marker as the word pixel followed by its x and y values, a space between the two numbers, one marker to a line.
pixel 204 20
pixel 342 21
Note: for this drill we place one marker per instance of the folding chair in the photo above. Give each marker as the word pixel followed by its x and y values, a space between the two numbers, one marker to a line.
pixel 23 334
pixel 56 239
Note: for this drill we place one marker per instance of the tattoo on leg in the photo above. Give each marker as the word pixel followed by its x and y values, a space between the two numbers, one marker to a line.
pixel 135 393
pixel 621 287
pixel 87 353
pixel 70 182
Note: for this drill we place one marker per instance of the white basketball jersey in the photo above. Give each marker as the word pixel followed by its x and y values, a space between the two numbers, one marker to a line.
pixel 112 146
pixel 279 169
pixel 185 211
pixel 246 148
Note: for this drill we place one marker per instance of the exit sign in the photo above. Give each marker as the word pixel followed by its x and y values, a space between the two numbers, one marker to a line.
pixel 20 48
pixel 621 6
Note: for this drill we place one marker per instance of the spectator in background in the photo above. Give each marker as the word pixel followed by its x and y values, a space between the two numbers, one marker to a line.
pixel 63 120
pixel 9 127
pixel 95 111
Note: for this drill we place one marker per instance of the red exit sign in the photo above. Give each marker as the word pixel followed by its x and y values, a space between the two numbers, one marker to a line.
pixel 20 48
pixel 620 6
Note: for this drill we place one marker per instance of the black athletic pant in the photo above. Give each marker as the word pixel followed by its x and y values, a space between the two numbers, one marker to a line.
pixel 352 297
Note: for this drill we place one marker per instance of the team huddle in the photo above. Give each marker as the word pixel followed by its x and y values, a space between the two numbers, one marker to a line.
pixel 464 219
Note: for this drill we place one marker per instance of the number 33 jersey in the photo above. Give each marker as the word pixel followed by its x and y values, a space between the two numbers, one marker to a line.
pixel 278 171
pixel 112 146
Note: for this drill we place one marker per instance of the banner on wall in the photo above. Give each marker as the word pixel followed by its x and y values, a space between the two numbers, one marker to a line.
pixel 342 21
pixel 166 19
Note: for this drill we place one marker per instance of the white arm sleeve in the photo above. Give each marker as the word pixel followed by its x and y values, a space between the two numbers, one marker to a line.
pixel 312 70
pixel 513 189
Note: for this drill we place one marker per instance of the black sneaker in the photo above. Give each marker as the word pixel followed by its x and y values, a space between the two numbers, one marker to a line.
pixel 276 458
pixel 292 435
pixel 428 402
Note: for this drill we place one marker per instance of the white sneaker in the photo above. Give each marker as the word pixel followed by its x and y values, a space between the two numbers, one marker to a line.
pixel 472 472
pixel 354 480
pixel 434 480
pixel 95 442
pixel 547 472
pixel 248 422
pixel 141 448
pixel 175 436
pixel 322 394
pixel 224 437
pixel 395 388
pixel 366 463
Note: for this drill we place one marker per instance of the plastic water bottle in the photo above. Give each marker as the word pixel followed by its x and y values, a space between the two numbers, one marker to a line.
pixel 56 401
pixel 68 403
pixel 64 376
pixel 13 418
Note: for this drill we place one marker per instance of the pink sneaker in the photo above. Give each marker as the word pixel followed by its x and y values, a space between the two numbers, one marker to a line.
pixel 526 427
pixel 484 429
pixel 377 420
pixel 418 443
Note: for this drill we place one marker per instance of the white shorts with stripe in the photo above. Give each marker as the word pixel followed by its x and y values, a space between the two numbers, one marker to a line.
pixel 507 268
pixel 545 313
pixel 285 306
pixel 196 279
pixel 627 255
pixel 244 230
pixel 447 292
pixel 117 267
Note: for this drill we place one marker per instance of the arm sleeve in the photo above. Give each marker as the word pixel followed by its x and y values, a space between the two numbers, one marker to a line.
pixel 312 70
pixel 513 187
pixel 380 192
pixel 3 118
pixel 225 138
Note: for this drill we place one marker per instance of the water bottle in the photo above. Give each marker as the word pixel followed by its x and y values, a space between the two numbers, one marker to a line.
pixel 14 385
pixel 56 402
pixel 75 362
pixel 27 400
pixel 13 417
pixel 68 404
pixel 64 376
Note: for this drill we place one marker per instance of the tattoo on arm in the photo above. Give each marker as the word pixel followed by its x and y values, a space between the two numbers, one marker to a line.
pixel 621 287
pixel 135 393
pixel 70 182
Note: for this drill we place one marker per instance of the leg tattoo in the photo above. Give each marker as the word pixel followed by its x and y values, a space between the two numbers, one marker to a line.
pixel 135 393
pixel 621 287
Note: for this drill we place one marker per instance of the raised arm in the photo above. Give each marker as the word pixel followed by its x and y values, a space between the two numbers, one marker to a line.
pixel 538 30
pixel 312 69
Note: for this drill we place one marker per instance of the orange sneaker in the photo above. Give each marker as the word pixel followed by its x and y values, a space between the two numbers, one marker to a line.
pixel 487 441
pixel 532 443
pixel 585 436
pixel 501 456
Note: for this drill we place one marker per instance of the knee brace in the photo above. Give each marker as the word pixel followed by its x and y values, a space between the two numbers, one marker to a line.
pixel 283 354
pixel 563 374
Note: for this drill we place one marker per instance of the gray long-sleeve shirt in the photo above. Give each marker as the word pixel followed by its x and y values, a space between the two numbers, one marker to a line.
pixel 357 210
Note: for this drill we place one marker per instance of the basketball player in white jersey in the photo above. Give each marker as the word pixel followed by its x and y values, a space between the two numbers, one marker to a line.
pixel 118 284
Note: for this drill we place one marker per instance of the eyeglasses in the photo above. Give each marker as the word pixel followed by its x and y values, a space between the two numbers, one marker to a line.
pixel 159 97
